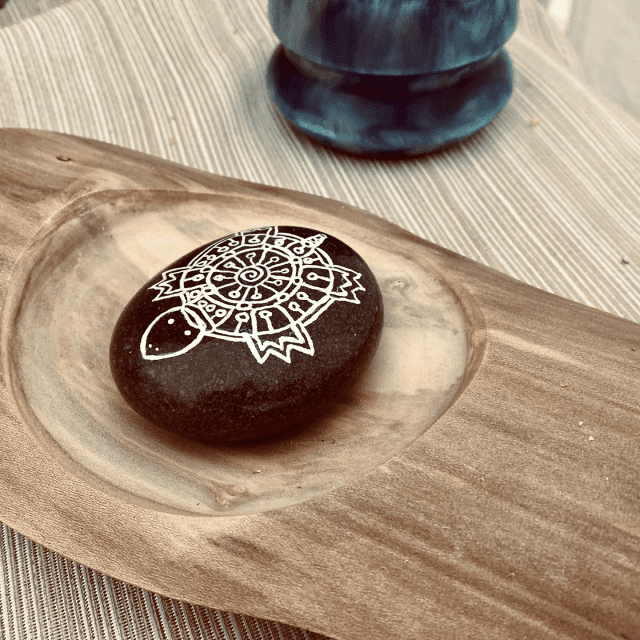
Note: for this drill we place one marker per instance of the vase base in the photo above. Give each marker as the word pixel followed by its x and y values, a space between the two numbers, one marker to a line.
pixel 388 115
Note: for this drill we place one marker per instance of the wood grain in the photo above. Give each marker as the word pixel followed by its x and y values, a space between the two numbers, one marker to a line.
pixel 60 327
pixel 515 515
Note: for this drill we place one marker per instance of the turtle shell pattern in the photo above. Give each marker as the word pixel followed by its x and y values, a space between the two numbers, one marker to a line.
pixel 263 287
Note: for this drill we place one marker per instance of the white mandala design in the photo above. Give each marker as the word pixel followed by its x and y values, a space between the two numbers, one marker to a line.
pixel 262 287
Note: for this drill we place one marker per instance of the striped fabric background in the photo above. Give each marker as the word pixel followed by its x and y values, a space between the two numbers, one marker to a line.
pixel 43 595
pixel 549 193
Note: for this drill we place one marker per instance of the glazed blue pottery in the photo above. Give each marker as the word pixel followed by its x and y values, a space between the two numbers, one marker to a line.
pixel 390 77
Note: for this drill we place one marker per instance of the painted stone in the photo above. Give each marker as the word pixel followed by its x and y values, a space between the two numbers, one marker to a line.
pixel 248 336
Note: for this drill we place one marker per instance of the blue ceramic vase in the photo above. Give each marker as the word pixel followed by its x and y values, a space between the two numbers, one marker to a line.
pixel 390 77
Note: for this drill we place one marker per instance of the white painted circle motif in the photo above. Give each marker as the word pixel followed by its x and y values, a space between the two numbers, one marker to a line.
pixel 261 286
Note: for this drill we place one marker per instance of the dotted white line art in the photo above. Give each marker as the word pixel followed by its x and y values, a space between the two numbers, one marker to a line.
pixel 262 287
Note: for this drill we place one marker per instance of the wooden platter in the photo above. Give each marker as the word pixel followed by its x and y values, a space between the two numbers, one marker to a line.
pixel 481 481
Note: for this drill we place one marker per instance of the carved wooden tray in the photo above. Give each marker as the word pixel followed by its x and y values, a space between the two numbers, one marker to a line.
pixel 481 481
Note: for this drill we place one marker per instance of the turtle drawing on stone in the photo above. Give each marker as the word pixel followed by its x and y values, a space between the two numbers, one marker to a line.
pixel 249 335
pixel 263 287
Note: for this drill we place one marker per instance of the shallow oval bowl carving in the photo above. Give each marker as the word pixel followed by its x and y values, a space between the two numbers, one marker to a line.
pixel 79 273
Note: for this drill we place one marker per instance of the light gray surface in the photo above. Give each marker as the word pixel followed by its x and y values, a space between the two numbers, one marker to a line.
pixel 606 36
pixel 16 10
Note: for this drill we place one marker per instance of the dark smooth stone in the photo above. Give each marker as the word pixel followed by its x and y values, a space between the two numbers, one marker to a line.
pixel 388 115
pixel 393 37
pixel 248 336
